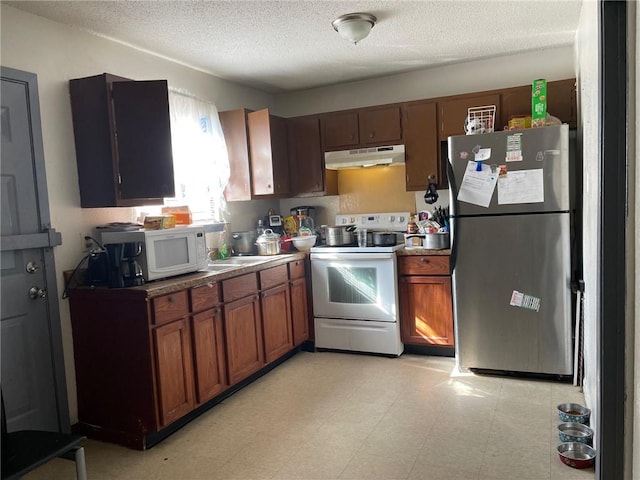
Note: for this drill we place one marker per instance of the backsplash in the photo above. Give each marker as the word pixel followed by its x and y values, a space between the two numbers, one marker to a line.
pixel 371 190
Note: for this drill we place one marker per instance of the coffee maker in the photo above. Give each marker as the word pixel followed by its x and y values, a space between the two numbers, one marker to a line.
pixel 123 268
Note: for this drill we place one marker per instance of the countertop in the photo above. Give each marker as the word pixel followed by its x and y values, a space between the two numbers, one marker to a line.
pixel 181 282
pixel 422 251
pixel 189 280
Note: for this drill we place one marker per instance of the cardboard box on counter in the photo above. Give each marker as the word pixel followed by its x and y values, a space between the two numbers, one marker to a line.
pixel 159 222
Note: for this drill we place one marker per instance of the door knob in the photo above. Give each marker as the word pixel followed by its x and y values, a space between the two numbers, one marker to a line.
pixel 36 292
pixel 32 267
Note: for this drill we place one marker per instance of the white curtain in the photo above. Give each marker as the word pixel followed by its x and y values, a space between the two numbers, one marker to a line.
pixel 200 159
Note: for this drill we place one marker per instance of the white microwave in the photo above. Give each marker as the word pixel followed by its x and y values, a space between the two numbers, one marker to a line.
pixel 167 252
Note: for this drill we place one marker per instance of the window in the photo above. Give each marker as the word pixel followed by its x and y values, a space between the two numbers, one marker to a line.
pixel 200 159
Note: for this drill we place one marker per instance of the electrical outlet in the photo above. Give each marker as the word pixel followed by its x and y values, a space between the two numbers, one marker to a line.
pixel 85 244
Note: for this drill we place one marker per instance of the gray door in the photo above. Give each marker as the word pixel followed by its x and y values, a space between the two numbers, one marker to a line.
pixel 496 256
pixel 32 370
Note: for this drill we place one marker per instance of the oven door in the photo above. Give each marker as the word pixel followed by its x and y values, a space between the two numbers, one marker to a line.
pixel 359 286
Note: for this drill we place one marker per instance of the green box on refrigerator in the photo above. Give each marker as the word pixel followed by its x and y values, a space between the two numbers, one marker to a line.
pixel 538 102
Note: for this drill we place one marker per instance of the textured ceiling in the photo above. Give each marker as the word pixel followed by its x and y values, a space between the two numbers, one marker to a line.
pixel 279 46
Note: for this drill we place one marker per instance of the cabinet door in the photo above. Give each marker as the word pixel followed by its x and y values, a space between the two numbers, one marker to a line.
pixel 174 371
pixel 123 141
pixel 276 321
pixel 143 132
pixel 299 311
pixel 243 336
pixel 422 152
pixel 236 136
pixel 380 126
pixel 208 354
pixel 454 112
pixel 340 130
pixel 561 101
pixel 268 153
pixel 426 311
pixel 306 160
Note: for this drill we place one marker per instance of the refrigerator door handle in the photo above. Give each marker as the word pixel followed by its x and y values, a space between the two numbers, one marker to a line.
pixel 453 209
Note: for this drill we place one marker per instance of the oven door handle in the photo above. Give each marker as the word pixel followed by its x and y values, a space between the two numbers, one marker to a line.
pixel 352 256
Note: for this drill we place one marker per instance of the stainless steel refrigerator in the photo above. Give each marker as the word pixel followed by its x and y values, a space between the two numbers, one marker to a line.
pixel 511 227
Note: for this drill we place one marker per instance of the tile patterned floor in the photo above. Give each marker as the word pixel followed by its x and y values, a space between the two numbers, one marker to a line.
pixel 340 416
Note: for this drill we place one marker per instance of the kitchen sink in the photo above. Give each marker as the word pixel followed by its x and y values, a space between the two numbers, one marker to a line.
pixel 248 260
pixel 219 267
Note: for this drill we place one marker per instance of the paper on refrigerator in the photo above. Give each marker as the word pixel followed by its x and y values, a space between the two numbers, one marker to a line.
pixel 477 186
pixel 521 186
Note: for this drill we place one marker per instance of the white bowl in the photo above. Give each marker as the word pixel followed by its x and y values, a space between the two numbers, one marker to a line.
pixel 304 243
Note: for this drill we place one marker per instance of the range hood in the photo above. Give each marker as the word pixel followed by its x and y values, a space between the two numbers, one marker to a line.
pixel 364 157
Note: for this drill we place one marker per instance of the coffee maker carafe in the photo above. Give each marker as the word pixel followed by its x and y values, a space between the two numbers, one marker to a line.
pixel 304 218
pixel 124 269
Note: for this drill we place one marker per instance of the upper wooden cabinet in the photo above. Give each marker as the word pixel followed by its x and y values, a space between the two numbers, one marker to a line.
pixel 561 102
pixel 368 126
pixel 422 154
pixel 236 135
pixel 306 159
pixel 268 153
pixel 122 136
pixel 453 112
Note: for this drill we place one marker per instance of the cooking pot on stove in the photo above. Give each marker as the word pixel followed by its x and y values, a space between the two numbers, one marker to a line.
pixel 336 236
pixel 383 239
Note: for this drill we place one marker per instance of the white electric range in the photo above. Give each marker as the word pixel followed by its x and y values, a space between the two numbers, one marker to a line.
pixel 355 293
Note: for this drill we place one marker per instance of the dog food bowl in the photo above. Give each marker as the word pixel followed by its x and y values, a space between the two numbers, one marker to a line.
pixel 575 432
pixel 576 454
pixel 573 413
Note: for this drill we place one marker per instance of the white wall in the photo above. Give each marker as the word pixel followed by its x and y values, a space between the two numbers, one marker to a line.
pixel 587 47
pixel 57 53
pixel 507 71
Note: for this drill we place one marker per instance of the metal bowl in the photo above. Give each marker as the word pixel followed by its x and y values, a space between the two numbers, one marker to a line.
pixel 573 413
pixel 575 432
pixel 576 454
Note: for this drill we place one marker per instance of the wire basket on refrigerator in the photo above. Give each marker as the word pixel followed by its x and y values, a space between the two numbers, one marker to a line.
pixel 480 119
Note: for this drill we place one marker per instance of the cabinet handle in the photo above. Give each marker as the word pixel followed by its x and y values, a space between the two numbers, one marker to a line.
pixel 352 136
pixel 424 260
pixel 372 134
pixel 170 300
pixel 257 297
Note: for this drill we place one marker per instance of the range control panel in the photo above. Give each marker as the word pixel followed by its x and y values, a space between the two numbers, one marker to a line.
pixel 392 222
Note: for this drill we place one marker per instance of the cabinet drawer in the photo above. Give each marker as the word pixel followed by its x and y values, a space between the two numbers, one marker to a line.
pixel 204 296
pixel 170 307
pixel 239 287
pixel 424 265
pixel 273 276
pixel 296 269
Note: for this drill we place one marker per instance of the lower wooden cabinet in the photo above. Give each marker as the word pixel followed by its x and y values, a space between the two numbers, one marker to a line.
pixel 426 308
pixel 243 337
pixel 144 362
pixel 209 356
pixel 174 371
pixel 299 311
pixel 276 318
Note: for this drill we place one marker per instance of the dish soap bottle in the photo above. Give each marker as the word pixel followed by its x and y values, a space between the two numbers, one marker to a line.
pixel 223 249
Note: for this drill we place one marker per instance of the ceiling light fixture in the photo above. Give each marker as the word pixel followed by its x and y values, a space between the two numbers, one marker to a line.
pixel 354 26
